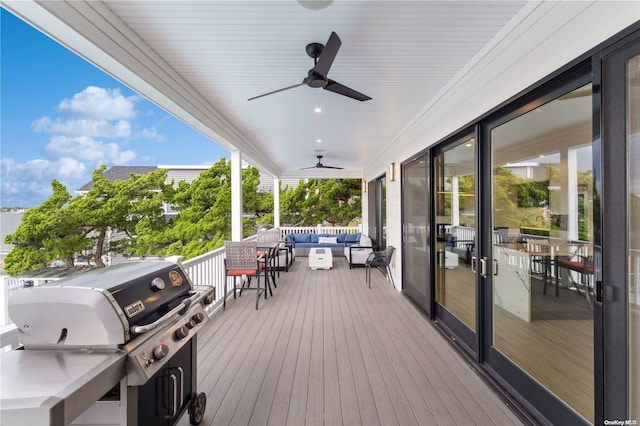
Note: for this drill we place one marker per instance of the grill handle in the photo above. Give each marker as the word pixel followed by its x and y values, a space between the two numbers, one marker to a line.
pixel 178 310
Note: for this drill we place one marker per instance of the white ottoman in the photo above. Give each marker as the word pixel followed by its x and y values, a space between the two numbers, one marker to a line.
pixel 450 260
pixel 320 258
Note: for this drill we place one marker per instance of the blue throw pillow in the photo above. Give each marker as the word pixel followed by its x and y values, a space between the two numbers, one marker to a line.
pixel 352 238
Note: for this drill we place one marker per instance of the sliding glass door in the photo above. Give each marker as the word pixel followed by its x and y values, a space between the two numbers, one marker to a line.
pixel 522 240
pixel 619 298
pixel 455 237
pixel 542 233
pixel 416 232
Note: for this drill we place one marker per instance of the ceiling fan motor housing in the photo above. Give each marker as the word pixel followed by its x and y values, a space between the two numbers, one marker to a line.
pixel 315 80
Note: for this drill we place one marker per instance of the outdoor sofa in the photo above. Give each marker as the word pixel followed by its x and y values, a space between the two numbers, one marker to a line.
pixel 303 242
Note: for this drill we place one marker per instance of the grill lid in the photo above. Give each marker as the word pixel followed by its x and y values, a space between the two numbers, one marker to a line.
pixel 98 308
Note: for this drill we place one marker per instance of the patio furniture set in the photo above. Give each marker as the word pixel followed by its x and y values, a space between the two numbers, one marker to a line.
pixel 264 257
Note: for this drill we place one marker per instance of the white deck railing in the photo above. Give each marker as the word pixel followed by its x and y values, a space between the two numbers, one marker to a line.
pixel 206 269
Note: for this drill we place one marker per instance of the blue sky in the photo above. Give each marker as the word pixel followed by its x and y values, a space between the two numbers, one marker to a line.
pixel 61 118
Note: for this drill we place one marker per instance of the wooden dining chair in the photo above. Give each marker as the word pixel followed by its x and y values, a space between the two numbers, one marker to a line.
pixel 241 260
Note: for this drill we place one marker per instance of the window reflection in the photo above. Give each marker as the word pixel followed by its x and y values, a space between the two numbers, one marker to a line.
pixel 542 221
pixel 415 219
pixel 455 202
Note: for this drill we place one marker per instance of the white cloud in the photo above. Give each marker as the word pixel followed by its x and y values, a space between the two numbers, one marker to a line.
pixel 103 104
pixel 93 128
pixel 84 127
pixel 152 133
pixel 29 183
pixel 88 149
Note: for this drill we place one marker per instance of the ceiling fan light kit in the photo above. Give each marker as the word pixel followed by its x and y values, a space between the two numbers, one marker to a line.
pixel 323 56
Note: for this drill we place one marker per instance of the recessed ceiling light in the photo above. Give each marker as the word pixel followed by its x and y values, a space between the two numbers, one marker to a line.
pixel 318 140
pixel 317 110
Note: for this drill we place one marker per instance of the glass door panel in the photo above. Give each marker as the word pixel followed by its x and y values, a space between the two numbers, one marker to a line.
pixel 415 222
pixel 455 211
pixel 542 236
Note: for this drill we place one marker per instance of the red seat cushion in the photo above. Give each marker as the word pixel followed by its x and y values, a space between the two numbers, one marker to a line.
pixel 575 265
pixel 238 272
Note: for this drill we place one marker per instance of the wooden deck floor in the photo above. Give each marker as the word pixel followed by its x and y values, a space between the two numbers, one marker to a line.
pixel 326 349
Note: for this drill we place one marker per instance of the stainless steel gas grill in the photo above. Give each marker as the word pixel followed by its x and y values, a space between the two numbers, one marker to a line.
pixel 115 345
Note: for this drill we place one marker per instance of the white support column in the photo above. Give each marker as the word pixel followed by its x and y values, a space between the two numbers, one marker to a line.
pixel 572 193
pixel 236 196
pixel 276 202
pixel 455 201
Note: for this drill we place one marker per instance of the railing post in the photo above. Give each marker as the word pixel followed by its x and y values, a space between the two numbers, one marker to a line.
pixel 4 300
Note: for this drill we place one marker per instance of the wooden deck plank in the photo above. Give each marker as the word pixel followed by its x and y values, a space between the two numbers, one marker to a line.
pixel 315 394
pixel 349 404
pixel 300 387
pixel 277 366
pixel 383 402
pixel 283 394
pixel 326 349
pixel 389 371
pixel 332 407
pixel 263 350
pixel 366 402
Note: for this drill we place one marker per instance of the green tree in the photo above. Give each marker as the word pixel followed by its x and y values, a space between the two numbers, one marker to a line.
pixel 331 201
pixel 203 221
pixel 257 205
pixel 124 209
pixel 47 232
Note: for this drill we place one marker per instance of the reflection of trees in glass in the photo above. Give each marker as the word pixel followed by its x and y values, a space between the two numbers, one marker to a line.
pixel 533 194
pixel 585 204
pixel 467 199
pixel 505 200
pixel 634 221
pixel 525 203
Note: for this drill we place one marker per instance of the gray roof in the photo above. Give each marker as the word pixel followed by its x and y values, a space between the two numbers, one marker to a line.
pixel 120 173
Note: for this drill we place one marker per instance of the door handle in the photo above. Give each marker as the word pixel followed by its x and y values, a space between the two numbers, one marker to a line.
pixel 473 265
pixel 495 267
pixel 483 267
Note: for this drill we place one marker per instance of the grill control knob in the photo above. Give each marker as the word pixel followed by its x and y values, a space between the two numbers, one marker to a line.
pixel 160 351
pixel 198 317
pixel 182 332
pixel 190 324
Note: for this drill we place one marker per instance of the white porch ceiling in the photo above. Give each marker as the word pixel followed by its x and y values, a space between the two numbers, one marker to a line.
pixel 202 60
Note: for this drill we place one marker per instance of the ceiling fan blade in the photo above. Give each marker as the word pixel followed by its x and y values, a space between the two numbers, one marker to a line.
pixel 319 165
pixel 334 86
pixel 279 90
pixel 328 55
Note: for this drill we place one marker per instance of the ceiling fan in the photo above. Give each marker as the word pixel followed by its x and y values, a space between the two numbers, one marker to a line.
pixel 319 165
pixel 323 57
